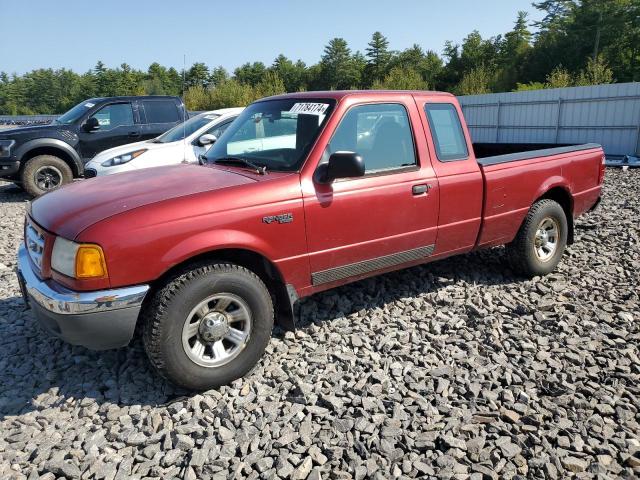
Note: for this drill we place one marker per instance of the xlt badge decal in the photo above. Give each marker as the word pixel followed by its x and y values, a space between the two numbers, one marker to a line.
pixel 282 218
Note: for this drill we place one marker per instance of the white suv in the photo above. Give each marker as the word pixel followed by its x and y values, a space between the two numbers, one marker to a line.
pixel 184 143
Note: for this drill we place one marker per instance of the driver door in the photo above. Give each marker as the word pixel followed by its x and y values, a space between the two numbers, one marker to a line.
pixel 386 218
pixel 117 127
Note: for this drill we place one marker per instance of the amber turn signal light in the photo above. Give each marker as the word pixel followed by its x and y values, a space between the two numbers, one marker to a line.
pixel 90 262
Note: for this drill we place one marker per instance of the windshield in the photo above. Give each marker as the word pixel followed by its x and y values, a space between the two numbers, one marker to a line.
pixel 75 113
pixel 183 130
pixel 276 134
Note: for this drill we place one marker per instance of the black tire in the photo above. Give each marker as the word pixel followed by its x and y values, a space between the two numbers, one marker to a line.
pixel 40 165
pixel 166 315
pixel 522 251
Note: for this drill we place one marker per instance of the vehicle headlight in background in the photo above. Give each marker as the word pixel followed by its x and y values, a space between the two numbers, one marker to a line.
pixel 78 260
pixel 5 147
pixel 124 158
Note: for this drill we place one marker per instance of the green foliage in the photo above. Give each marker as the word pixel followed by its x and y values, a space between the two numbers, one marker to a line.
pixel 401 78
pixel 475 82
pixel 573 31
pixel 271 84
pixel 559 78
pixel 597 72
pixel 339 70
pixel 196 98
pixel 578 42
pixel 523 87
pixel 292 74
pixel 250 73
pixel 378 57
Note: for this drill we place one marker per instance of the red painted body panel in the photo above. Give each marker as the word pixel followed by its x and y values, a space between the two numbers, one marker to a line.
pixel 352 220
pixel 461 189
pixel 148 222
pixel 511 188
pixel 74 207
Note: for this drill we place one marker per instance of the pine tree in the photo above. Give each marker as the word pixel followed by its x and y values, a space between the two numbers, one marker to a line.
pixel 337 69
pixel 378 57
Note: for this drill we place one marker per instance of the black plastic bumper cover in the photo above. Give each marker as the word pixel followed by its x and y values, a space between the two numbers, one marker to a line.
pixel 96 331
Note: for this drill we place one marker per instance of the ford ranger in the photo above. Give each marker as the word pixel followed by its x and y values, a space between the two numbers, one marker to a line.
pixel 205 259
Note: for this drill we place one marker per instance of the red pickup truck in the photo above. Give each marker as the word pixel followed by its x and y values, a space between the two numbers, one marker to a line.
pixel 302 193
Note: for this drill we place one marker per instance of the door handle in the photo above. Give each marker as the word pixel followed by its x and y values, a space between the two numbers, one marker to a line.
pixel 134 134
pixel 420 189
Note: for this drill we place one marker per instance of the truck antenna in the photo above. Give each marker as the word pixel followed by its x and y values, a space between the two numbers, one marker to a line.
pixel 184 118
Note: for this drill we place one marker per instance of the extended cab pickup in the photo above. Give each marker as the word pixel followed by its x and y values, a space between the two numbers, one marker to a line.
pixel 44 157
pixel 207 258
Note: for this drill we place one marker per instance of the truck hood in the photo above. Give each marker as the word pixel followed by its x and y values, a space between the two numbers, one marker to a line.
pixel 30 129
pixel 74 207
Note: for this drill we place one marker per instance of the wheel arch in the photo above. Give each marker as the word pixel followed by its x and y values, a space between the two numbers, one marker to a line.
pixel 283 295
pixel 563 197
pixel 51 146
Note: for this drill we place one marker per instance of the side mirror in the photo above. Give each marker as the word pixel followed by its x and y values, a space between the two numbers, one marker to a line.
pixel 91 125
pixel 207 139
pixel 340 165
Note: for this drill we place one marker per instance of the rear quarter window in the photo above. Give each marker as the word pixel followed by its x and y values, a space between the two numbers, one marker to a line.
pixel 446 131
pixel 161 111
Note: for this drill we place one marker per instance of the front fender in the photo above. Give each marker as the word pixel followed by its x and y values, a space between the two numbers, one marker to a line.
pixel 219 239
pixel 55 143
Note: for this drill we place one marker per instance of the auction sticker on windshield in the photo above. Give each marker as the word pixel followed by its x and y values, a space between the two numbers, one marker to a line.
pixel 310 108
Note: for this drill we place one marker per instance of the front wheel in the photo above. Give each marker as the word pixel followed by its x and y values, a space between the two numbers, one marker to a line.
pixel 208 325
pixel 44 173
pixel 541 240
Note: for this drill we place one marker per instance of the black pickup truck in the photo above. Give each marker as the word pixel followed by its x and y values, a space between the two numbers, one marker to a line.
pixel 43 157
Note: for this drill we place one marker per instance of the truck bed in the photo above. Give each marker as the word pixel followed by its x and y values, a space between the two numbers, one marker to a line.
pixel 515 175
pixel 495 153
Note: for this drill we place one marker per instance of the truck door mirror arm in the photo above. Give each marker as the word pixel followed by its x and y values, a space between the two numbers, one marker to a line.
pixel 340 165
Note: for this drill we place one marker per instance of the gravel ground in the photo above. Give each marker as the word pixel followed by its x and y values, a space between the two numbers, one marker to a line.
pixel 452 370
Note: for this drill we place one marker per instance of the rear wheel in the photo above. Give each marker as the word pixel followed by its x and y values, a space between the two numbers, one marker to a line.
pixel 541 240
pixel 208 325
pixel 44 173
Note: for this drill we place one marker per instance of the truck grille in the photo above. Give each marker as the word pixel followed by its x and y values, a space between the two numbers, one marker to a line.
pixel 34 240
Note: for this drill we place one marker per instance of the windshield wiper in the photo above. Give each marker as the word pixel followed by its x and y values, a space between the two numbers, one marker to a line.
pixel 261 169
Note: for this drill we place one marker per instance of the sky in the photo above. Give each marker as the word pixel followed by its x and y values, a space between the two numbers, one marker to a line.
pixel 43 34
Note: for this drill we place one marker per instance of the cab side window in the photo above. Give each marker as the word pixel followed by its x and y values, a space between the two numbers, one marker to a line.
pixel 380 133
pixel 161 111
pixel 447 133
pixel 114 115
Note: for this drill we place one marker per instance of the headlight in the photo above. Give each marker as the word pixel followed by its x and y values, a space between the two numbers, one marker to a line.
pixel 5 147
pixel 120 159
pixel 78 260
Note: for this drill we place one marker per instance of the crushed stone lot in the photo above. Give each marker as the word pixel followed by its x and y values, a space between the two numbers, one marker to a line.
pixel 456 369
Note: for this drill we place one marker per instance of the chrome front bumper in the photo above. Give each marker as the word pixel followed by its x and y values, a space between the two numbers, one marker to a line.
pixel 97 320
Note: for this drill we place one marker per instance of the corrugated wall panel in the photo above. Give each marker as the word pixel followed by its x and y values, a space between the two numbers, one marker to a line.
pixel 605 114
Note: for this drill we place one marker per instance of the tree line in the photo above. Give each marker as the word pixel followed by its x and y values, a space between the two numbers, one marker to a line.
pixel 578 42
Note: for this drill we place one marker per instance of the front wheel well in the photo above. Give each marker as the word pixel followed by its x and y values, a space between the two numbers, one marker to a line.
pixel 282 296
pixel 565 200
pixel 56 152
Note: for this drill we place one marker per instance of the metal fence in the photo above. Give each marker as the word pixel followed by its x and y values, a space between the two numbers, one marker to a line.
pixel 604 114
